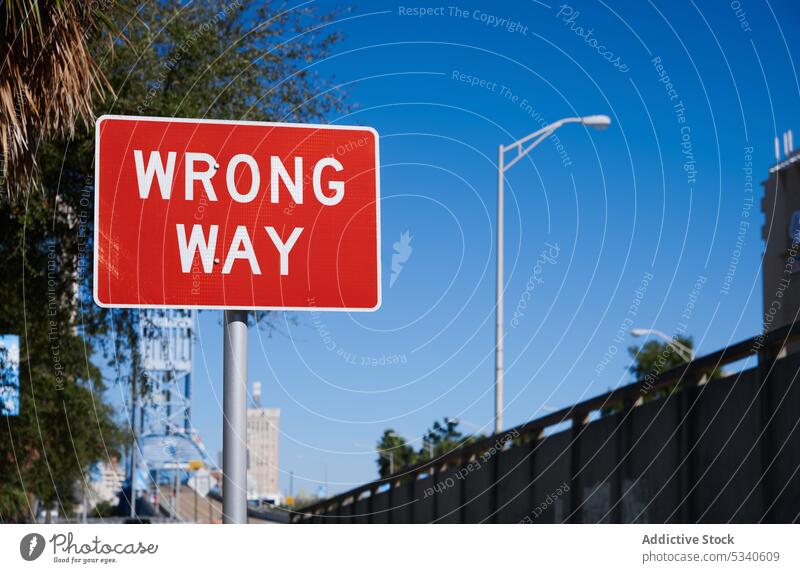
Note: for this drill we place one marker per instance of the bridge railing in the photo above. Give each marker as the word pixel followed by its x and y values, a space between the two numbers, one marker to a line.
pixel 766 347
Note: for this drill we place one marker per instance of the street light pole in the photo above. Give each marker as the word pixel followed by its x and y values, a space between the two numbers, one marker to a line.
pixel 498 335
pixel 389 456
pixel 134 445
pixel 523 147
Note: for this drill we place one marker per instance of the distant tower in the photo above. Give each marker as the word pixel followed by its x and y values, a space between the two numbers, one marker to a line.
pixel 257 394
pixel 781 231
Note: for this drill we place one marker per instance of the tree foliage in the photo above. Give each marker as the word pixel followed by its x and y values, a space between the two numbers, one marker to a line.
pixel 64 423
pixel 393 446
pixel 655 357
pixel 651 360
pixel 441 438
pixel 203 59
pixel 438 440
pixel 48 78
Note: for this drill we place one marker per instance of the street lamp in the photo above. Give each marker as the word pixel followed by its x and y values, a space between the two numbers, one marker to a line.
pixel 385 454
pixel 390 457
pixel 460 421
pixel 523 147
pixel 685 352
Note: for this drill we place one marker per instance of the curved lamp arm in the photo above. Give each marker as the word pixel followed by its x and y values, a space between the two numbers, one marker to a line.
pixel 681 348
pixel 596 121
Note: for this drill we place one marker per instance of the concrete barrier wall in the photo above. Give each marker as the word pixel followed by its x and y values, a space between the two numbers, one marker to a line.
pixel 726 451
pixel 726 462
pixel 782 442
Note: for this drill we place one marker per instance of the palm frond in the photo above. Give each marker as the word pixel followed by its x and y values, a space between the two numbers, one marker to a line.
pixel 48 79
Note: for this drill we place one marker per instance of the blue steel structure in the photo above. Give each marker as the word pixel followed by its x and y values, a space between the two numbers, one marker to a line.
pixel 166 439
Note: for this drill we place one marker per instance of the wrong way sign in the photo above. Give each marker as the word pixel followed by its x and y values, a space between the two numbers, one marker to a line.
pixel 236 215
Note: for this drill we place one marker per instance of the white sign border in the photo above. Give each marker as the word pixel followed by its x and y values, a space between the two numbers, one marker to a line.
pixel 96 237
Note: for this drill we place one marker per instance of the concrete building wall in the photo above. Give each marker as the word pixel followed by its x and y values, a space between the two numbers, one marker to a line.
pixel 262 447
pixel 780 275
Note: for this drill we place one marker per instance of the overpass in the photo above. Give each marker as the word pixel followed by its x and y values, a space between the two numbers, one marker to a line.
pixel 186 507
pixel 707 451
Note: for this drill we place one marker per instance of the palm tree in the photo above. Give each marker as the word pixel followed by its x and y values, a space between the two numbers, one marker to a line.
pixel 48 78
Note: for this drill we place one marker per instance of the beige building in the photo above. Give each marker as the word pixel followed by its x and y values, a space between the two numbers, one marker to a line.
pixel 262 454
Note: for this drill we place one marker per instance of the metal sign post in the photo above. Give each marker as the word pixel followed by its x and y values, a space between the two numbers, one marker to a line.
pixel 234 429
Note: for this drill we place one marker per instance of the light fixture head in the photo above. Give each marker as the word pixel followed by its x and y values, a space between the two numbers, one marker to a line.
pixel 596 121
pixel 639 332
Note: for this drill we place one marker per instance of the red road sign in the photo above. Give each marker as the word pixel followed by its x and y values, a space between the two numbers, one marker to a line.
pixel 239 215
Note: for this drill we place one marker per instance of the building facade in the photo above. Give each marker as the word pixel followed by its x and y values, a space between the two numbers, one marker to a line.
pixel 781 233
pixel 105 482
pixel 262 454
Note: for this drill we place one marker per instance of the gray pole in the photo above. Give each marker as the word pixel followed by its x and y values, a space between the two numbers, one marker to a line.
pixel 178 495
pixel 85 503
pixel 234 426
pixel 498 352
pixel 133 447
pixel 172 501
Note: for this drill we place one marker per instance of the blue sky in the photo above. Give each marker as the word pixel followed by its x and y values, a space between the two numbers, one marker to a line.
pixel 609 210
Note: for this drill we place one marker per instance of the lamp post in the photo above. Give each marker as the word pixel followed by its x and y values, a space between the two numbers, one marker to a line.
pixel 390 457
pixel 467 423
pixel 685 352
pixel 523 147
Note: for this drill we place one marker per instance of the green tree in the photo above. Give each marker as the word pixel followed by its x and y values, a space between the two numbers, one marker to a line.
pixel 441 438
pixel 232 60
pixel 651 360
pixel 393 450
pixel 64 423
pixel 655 357
pixel 438 440
pixel 48 78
